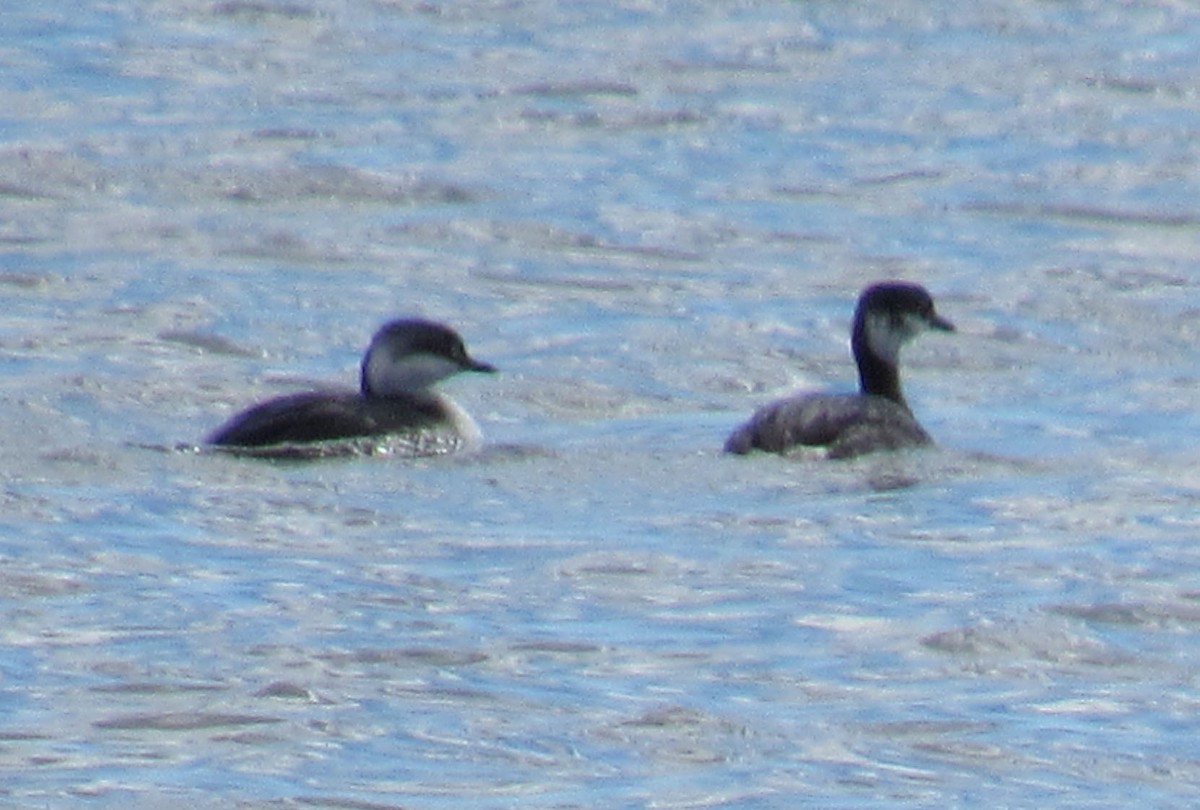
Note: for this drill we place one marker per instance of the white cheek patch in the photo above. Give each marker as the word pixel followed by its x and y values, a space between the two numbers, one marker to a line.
pixel 409 373
pixel 885 339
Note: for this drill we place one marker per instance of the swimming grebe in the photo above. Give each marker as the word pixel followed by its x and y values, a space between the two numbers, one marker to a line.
pixel 889 314
pixel 405 359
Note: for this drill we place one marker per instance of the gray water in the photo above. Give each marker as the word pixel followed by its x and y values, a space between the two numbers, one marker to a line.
pixel 653 217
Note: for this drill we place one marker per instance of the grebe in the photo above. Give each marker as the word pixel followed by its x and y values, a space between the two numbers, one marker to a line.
pixel 405 360
pixel 889 314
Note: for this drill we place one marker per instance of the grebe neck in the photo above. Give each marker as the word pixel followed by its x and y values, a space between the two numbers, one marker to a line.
pixel 877 375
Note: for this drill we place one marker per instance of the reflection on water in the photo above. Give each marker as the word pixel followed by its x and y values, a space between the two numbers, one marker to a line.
pixel 654 218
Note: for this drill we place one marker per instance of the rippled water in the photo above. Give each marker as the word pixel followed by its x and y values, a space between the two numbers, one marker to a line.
pixel 653 217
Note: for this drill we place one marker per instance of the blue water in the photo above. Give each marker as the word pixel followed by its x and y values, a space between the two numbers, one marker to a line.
pixel 653 218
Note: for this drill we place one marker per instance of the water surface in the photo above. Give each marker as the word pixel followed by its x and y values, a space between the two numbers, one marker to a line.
pixel 653 217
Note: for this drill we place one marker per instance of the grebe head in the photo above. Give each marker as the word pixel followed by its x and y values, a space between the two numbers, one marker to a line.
pixel 412 354
pixel 891 314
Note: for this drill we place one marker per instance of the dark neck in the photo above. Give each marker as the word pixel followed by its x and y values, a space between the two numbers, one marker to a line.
pixel 876 376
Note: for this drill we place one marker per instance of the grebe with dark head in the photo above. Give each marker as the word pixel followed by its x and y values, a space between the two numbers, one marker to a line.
pixel 405 360
pixel 889 314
